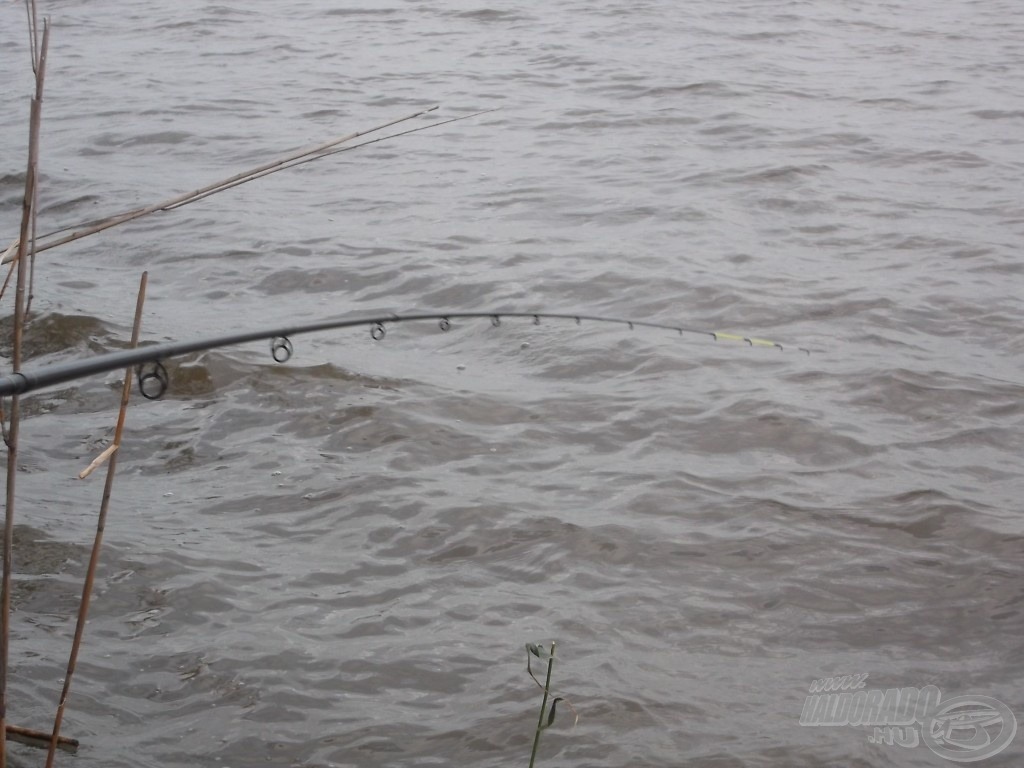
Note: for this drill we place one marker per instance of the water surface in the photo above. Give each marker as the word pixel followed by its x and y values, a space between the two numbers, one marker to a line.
pixel 338 562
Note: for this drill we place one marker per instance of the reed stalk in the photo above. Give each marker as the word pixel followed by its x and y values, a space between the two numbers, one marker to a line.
pixel 281 163
pixel 39 49
pixel 328 153
pixel 101 523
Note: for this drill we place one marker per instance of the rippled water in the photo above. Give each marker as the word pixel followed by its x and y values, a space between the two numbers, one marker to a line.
pixel 338 562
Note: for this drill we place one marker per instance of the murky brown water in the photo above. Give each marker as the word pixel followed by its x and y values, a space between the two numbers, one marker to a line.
pixel 338 562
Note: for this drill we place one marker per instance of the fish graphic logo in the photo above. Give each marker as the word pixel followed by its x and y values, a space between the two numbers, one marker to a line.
pixel 965 729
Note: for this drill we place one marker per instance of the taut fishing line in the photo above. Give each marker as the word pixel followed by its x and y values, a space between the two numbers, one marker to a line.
pixel 153 379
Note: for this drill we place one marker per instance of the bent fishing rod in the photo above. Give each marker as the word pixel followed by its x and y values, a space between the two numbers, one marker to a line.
pixel 153 379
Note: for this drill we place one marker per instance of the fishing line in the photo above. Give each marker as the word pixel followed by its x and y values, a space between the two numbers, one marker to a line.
pixel 153 379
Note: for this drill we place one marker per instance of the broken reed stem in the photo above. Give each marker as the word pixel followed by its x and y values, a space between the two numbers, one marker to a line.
pixel 240 178
pixel 10 272
pixel 39 739
pixel 98 461
pixel 33 34
pixel 31 179
pixel 101 524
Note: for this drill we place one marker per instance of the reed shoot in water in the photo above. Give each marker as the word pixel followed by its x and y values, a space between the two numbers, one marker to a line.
pixel 546 718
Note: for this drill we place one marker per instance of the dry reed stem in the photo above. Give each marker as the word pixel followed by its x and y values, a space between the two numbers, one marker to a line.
pixel 31 179
pixel 98 461
pixel 10 273
pixel 40 739
pixel 33 34
pixel 101 524
pixel 219 186
pixel 326 153
pixel 11 253
pixel 31 250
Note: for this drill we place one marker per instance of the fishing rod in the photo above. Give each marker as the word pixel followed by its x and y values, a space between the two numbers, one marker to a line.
pixel 153 379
